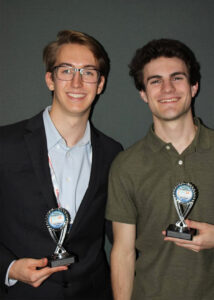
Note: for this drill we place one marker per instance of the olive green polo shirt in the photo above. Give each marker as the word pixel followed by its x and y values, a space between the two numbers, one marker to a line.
pixel 142 179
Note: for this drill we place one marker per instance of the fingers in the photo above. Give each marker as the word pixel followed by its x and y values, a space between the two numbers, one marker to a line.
pixel 44 273
pixel 193 245
pixel 194 241
pixel 177 241
pixel 48 271
pixel 203 240
pixel 188 246
pixel 38 276
pixel 195 250
pixel 26 270
pixel 191 224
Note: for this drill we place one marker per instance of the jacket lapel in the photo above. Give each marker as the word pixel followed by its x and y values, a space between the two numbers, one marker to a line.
pixel 93 181
pixel 37 146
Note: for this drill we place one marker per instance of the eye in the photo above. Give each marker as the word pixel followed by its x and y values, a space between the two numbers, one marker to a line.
pixel 177 78
pixel 66 70
pixel 155 81
pixel 89 72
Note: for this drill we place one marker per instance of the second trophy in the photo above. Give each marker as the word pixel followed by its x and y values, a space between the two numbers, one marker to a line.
pixel 184 196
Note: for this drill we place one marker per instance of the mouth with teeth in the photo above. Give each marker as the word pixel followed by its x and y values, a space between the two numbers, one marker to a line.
pixel 171 100
pixel 75 96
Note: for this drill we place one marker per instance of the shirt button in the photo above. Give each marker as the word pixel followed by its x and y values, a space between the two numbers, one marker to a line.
pixel 167 147
pixel 68 179
pixel 180 162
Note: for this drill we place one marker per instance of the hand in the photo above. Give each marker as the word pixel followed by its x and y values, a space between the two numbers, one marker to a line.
pixel 203 240
pixel 32 271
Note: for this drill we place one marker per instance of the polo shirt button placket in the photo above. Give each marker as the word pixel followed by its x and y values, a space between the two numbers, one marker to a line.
pixel 180 162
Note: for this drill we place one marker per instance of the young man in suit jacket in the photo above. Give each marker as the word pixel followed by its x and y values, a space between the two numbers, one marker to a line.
pixel 57 159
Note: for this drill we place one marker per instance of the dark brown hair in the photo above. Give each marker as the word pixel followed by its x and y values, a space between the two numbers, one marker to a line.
pixel 163 48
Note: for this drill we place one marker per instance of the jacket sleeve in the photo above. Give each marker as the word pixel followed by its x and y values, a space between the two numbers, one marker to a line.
pixel 6 257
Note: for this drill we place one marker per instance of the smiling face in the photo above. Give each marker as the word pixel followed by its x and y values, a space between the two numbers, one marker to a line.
pixel 74 97
pixel 167 89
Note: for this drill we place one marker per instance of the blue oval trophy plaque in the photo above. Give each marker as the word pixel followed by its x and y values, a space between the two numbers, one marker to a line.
pixel 184 196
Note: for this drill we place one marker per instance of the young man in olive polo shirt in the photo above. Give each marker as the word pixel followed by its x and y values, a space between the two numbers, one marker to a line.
pixel 177 148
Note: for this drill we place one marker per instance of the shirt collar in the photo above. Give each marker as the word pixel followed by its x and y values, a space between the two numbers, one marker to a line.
pixel 54 137
pixel 200 142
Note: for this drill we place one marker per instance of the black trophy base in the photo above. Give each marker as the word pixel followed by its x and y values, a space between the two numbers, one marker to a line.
pixel 54 261
pixel 176 232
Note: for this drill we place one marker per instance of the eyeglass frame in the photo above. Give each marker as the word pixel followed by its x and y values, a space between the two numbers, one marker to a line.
pixel 77 70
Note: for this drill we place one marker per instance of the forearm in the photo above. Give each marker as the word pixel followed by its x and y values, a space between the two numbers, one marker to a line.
pixel 122 274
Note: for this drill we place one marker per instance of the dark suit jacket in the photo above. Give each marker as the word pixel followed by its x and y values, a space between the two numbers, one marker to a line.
pixel 26 195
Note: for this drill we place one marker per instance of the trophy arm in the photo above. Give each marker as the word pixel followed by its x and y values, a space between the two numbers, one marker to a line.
pixel 178 209
pixel 53 235
pixel 182 214
pixel 59 248
pixel 187 209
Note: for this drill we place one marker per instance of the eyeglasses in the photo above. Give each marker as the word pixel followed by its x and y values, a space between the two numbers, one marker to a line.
pixel 67 73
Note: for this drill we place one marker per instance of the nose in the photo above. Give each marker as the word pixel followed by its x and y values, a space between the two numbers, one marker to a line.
pixel 168 86
pixel 76 80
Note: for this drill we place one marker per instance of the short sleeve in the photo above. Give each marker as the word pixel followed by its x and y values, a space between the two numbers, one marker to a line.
pixel 120 205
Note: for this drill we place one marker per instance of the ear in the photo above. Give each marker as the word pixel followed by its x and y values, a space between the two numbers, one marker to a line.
pixel 143 96
pixel 49 81
pixel 194 89
pixel 100 85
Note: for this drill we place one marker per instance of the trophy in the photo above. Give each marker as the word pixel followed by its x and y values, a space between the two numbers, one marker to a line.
pixel 184 196
pixel 58 224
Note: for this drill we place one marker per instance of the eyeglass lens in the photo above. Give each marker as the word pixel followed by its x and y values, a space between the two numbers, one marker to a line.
pixel 67 73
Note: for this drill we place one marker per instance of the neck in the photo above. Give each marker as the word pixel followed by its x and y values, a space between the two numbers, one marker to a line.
pixel 71 128
pixel 180 133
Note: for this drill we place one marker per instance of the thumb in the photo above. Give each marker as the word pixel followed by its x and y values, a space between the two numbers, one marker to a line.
pixel 194 224
pixel 40 263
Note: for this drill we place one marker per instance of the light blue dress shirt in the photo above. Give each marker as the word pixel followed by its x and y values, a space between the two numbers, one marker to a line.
pixel 71 166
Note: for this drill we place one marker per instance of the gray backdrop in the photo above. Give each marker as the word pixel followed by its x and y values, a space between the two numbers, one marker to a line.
pixel 122 26
pixel 26 26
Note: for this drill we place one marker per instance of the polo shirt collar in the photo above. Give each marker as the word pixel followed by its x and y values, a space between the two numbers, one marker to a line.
pixel 201 141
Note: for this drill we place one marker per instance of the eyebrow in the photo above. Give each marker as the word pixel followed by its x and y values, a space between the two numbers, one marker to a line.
pixel 171 75
pixel 70 65
pixel 179 73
